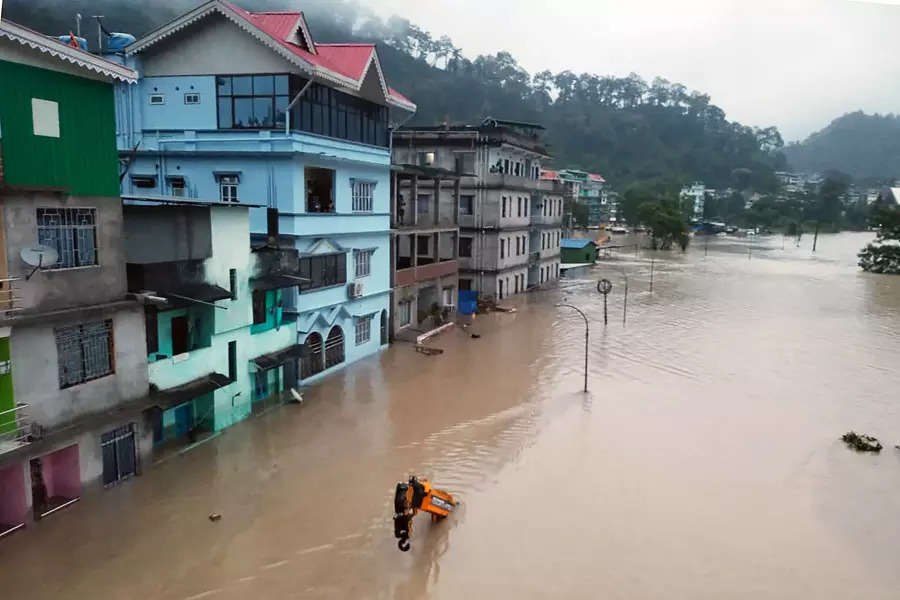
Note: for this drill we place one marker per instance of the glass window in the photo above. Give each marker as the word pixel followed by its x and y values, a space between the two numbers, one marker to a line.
pixel 466 203
pixel 281 84
pixel 263 85
pixel 262 112
pixel 72 232
pixel 363 263
pixel 323 271
pixel 243 112
pixel 465 247
pixel 225 120
pixel 84 352
pixel 223 85
pixel 242 86
pixel 363 330
pixel 281 104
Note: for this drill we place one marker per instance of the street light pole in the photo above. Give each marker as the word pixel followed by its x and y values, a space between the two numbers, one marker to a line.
pixel 586 337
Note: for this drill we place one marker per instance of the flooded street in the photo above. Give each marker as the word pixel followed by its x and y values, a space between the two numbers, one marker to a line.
pixel 704 463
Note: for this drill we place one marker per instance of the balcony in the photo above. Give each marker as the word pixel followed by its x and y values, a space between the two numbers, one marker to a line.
pixel 10 300
pixel 15 428
pixel 426 272
pixel 183 368
pixel 507 181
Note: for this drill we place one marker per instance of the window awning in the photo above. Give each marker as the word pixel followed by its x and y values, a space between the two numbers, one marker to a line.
pixel 275 282
pixel 276 359
pixel 194 293
pixel 187 391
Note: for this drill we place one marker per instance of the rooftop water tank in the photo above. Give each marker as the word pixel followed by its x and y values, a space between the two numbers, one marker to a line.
pixel 67 40
pixel 118 41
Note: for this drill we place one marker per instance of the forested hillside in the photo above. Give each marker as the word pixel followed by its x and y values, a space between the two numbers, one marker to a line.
pixel 626 128
pixel 863 146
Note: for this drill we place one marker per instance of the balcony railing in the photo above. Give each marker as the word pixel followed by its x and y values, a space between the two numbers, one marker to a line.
pixel 426 272
pixel 10 301
pixel 15 428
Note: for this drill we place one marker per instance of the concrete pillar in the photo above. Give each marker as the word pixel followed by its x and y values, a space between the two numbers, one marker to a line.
pixel 415 200
pixel 414 249
pixel 437 202
pixel 456 189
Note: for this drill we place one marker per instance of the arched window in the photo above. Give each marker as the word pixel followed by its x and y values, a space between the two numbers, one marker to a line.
pixel 311 356
pixel 334 347
pixel 384 331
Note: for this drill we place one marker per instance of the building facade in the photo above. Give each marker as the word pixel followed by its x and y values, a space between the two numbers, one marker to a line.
pixel 694 197
pixel 424 253
pixel 278 122
pixel 499 164
pixel 72 379
pixel 219 344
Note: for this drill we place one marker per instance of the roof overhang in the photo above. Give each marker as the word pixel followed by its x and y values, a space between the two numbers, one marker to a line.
pixel 75 56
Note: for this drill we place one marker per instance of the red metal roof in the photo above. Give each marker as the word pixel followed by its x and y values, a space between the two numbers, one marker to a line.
pixel 348 60
pixel 595 177
pixel 548 174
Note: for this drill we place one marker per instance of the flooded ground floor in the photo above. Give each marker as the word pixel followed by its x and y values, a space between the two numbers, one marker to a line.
pixel 705 461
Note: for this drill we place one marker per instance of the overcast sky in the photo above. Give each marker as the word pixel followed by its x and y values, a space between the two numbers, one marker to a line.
pixel 795 64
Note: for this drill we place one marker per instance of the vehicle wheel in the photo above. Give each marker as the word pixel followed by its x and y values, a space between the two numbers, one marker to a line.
pixel 403 544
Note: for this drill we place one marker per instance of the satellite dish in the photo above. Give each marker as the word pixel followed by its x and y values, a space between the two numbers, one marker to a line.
pixel 38 256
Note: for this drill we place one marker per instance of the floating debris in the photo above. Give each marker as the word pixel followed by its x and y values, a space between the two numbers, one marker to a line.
pixel 214 517
pixel 861 443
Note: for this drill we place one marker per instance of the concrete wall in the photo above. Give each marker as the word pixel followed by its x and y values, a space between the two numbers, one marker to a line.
pixel 36 366
pixel 163 234
pixel 90 464
pixel 174 113
pixel 52 289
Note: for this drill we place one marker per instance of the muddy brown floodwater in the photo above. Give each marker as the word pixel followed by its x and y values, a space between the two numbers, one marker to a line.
pixel 704 462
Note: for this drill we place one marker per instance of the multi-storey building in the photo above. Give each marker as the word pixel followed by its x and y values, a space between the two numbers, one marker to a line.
pixel 499 163
pixel 425 225
pixel 219 343
pixel 694 197
pixel 248 109
pixel 73 381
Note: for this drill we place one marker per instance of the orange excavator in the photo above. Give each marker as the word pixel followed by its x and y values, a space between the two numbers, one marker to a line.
pixel 409 499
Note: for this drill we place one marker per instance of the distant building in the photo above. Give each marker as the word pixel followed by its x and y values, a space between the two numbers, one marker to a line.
pixel 889 195
pixel 695 197
pixel 73 381
pixel 505 208
pixel 587 188
pixel 425 204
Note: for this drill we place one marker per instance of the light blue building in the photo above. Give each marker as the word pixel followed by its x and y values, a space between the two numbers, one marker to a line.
pixel 246 108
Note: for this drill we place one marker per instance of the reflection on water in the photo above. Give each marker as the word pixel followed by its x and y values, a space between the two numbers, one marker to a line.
pixel 704 463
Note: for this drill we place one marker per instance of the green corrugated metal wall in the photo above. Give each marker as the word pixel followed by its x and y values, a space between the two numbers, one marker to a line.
pixel 84 158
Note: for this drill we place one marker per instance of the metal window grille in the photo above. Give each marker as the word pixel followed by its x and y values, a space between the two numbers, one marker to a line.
pixel 334 347
pixel 228 188
pixel 363 263
pixel 311 359
pixel 72 232
pixel 119 458
pixel 84 352
pixel 363 330
pixel 363 195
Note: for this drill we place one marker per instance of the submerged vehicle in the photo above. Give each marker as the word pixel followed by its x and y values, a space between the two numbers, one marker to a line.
pixel 409 499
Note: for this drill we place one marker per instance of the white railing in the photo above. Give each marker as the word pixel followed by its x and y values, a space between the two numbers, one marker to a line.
pixel 15 427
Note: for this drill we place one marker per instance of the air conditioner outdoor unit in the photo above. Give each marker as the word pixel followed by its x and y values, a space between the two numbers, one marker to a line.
pixel 355 289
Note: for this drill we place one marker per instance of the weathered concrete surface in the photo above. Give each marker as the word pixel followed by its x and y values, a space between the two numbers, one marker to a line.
pixel 673 478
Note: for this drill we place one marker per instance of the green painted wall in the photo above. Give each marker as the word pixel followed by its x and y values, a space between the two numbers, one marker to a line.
pixel 200 328
pixel 588 254
pixel 84 158
pixel 7 400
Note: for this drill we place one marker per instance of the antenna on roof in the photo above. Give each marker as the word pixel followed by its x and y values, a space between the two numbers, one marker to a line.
pixel 38 256
pixel 99 33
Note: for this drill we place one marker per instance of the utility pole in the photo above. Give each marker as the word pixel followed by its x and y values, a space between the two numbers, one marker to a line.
pixel 652 260
pixel 816 236
pixel 78 24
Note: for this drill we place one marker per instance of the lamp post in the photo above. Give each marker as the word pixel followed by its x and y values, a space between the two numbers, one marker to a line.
pixel 586 336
